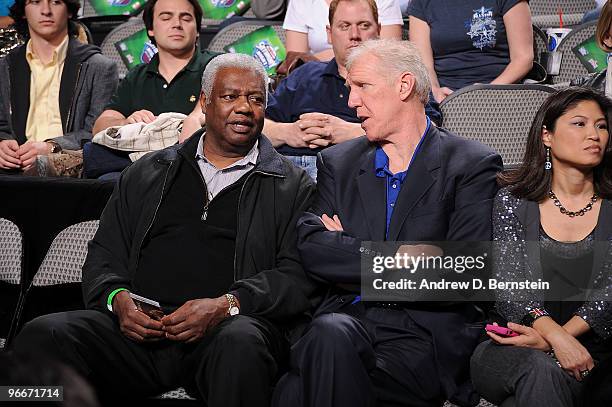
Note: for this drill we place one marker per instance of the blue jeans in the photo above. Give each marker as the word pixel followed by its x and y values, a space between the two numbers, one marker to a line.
pixel 307 162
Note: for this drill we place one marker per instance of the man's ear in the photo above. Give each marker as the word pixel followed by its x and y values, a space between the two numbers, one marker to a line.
pixel 328 30
pixel 203 102
pixel 406 84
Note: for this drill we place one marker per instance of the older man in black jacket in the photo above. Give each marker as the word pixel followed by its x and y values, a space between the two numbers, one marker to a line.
pixel 207 229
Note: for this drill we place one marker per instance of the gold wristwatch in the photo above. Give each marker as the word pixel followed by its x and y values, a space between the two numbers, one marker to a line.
pixel 233 305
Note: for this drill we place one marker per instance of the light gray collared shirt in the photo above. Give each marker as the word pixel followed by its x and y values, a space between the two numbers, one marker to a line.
pixel 216 179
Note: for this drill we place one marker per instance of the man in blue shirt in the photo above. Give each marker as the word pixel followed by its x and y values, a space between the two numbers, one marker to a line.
pixel 309 110
pixel 406 181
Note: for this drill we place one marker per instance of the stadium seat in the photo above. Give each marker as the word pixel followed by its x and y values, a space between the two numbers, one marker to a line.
pixel 90 11
pixel 497 115
pixel 55 286
pixel 571 67
pixel 132 26
pixel 63 264
pixel 545 13
pixel 64 260
pixel 212 22
pixel 11 253
pixel 237 30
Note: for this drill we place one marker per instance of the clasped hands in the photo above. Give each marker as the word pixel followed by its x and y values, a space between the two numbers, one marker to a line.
pixel 573 357
pixel 315 130
pixel 187 324
pixel 14 156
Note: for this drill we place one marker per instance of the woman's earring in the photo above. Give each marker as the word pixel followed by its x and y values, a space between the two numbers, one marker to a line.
pixel 548 163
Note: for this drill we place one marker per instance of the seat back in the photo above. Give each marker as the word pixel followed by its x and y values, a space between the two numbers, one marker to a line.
pixel 571 67
pixel 550 7
pixel 90 11
pixel 545 13
pixel 11 256
pixel 213 22
pixel 239 29
pixel 497 115
pixel 11 252
pixel 130 27
pixel 64 260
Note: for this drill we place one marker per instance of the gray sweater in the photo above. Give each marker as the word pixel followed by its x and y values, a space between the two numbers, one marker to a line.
pixel 88 81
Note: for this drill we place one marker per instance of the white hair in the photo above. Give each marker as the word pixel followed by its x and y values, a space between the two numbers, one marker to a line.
pixel 396 57
pixel 231 60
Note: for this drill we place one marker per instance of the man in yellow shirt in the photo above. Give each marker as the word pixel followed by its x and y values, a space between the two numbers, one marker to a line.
pixel 53 88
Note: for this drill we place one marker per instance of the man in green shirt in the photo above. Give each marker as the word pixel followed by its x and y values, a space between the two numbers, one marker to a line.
pixel 171 81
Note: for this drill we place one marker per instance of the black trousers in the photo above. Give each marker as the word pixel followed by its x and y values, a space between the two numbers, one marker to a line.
pixel 377 358
pixel 235 364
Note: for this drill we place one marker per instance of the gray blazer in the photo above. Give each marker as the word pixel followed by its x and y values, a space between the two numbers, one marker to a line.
pixel 88 81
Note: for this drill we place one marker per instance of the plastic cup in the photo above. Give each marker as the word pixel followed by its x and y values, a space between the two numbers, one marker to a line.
pixel 555 36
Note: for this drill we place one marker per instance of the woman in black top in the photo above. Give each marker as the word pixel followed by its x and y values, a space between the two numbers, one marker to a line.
pixel 549 221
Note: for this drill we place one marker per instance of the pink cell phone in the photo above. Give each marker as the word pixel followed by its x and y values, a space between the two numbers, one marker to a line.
pixel 500 330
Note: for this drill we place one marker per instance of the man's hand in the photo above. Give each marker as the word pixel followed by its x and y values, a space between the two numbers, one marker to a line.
pixel 528 338
pixel 293 60
pixel 330 129
pixel 134 324
pixel 296 136
pixel 332 224
pixel 192 123
pixel 291 134
pixel 30 150
pixel 140 116
pixel 441 93
pixel 190 322
pixel 8 154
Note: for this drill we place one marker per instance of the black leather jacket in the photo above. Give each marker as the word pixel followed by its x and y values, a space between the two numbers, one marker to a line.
pixel 268 274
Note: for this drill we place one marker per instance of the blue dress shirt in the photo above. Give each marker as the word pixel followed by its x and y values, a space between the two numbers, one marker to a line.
pixel 393 182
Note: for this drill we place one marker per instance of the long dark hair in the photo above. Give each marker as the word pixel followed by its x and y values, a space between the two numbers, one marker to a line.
pixel 147 16
pixel 531 181
pixel 17 13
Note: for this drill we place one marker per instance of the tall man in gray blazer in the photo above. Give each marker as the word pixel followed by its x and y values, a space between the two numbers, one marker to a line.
pixel 406 180
pixel 52 88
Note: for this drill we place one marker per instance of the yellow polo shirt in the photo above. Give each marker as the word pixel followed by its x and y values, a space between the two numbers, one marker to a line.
pixel 44 118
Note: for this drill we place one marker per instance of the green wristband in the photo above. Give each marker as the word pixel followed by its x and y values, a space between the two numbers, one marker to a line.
pixel 109 302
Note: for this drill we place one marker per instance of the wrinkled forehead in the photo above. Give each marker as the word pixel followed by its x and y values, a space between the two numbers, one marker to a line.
pixel 364 65
pixel 238 78
pixel 345 11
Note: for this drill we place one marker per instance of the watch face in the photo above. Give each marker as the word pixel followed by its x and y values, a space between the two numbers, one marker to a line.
pixel 234 311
